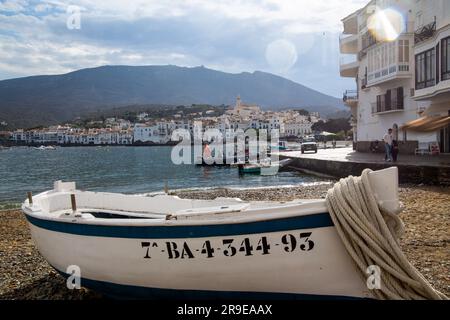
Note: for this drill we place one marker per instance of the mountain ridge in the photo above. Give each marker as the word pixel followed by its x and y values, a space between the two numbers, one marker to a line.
pixel 51 99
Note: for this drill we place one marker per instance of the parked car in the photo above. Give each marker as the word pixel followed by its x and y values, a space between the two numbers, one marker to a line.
pixel 309 144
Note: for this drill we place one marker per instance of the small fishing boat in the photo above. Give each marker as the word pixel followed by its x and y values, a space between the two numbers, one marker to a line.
pixel 162 246
pixel 282 146
pixel 264 167
pixel 45 148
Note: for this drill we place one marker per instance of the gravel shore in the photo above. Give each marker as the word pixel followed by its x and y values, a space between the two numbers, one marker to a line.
pixel 24 274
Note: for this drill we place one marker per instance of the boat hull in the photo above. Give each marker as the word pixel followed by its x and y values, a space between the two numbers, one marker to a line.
pixel 288 258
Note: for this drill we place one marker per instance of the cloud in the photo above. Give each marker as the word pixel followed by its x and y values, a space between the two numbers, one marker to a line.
pixel 13 5
pixel 231 36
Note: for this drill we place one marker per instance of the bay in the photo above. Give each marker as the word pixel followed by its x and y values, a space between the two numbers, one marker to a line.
pixel 118 169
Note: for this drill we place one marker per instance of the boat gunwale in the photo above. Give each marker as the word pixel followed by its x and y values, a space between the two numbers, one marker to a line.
pixel 255 214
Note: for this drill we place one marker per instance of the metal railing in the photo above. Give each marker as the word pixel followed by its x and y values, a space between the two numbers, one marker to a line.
pixel 385 104
pixel 347 59
pixel 350 95
pixel 425 32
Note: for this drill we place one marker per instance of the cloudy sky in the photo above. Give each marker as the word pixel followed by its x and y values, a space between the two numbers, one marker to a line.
pixel 297 39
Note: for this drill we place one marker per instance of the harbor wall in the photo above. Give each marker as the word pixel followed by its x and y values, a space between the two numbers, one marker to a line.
pixel 404 147
pixel 430 175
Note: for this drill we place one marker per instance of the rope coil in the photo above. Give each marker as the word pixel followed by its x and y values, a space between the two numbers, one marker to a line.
pixel 371 235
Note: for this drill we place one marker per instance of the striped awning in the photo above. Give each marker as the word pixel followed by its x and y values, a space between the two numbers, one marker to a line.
pixel 427 124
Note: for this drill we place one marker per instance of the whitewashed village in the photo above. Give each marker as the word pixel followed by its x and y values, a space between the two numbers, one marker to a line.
pixel 146 130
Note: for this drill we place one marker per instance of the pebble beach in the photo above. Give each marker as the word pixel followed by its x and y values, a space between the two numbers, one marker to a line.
pixel 24 274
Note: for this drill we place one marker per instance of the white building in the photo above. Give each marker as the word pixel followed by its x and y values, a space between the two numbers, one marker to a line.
pixel 149 133
pixel 432 79
pixel 380 57
pixel 243 110
pixel 297 128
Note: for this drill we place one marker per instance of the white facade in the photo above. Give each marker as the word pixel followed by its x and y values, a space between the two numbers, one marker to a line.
pixel 299 129
pixel 384 70
pixel 146 133
pixel 432 53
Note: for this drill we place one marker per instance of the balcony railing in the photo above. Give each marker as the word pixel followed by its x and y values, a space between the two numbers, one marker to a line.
pixel 425 32
pixel 389 102
pixel 347 59
pixel 348 43
pixel 350 95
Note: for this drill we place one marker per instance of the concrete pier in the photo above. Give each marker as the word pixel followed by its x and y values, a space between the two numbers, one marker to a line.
pixel 342 162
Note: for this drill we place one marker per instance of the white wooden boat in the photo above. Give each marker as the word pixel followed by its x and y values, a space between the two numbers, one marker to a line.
pixel 163 246
pixel 45 148
pixel 264 167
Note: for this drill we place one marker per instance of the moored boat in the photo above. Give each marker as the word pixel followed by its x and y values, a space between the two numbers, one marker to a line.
pixel 164 246
pixel 264 167
pixel 42 147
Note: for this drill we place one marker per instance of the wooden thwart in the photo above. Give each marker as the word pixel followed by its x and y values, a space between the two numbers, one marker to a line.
pixel 74 202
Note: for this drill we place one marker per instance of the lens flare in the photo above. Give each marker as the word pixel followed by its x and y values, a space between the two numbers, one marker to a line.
pixel 281 55
pixel 386 24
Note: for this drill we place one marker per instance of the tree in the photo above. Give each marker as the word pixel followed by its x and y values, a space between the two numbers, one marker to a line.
pixel 332 125
pixel 303 112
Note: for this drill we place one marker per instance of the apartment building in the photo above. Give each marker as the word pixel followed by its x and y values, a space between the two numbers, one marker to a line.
pixel 379 45
pixel 432 70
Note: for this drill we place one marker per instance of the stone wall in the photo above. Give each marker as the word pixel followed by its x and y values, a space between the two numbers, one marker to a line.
pixel 341 169
pixel 405 147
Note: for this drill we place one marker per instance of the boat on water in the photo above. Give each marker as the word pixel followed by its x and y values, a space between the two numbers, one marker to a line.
pixel 282 146
pixel 162 246
pixel 45 148
pixel 264 167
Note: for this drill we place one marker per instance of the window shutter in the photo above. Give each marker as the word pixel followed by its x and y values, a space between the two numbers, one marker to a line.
pixel 388 100
pixel 400 97
pixel 437 63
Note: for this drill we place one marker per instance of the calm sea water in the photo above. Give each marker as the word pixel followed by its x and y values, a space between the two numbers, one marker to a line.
pixel 118 169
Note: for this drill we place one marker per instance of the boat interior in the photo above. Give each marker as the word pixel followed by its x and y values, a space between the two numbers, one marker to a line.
pixel 102 205
pixel 66 201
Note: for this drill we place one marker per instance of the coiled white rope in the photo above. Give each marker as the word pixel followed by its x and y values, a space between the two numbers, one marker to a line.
pixel 371 237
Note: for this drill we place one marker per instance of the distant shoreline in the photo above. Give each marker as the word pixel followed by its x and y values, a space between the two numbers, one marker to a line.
pixel 67 145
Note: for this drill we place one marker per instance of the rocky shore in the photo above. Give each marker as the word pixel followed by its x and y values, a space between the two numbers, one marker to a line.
pixel 24 274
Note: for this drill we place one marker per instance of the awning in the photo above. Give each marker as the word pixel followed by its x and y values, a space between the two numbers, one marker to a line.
pixel 427 124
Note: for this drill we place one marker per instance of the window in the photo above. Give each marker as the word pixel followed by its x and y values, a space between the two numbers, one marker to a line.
pixel 445 62
pixel 403 51
pixel 425 69
pixel 391 100
pixel 437 63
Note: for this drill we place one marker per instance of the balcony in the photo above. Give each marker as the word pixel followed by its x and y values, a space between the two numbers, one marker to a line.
pixel 350 98
pixel 392 72
pixel 348 44
pixel 425 32
pixel 351 23
pixel 390 61
pixel 349 66
pixel 392 101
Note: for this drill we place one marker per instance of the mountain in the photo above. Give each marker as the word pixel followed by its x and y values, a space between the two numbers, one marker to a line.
pixel 50 99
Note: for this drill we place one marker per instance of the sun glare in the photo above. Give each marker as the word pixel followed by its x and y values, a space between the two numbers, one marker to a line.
pixel 386 25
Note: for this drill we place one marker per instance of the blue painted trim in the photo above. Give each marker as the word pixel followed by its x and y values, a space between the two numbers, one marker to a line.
pixel 319 220
pixel 120 291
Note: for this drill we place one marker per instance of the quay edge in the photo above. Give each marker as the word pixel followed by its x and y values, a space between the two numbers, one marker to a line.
pixel 417 174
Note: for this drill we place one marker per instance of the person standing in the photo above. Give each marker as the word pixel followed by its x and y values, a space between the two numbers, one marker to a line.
pixel 394 150
pixel 388 145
